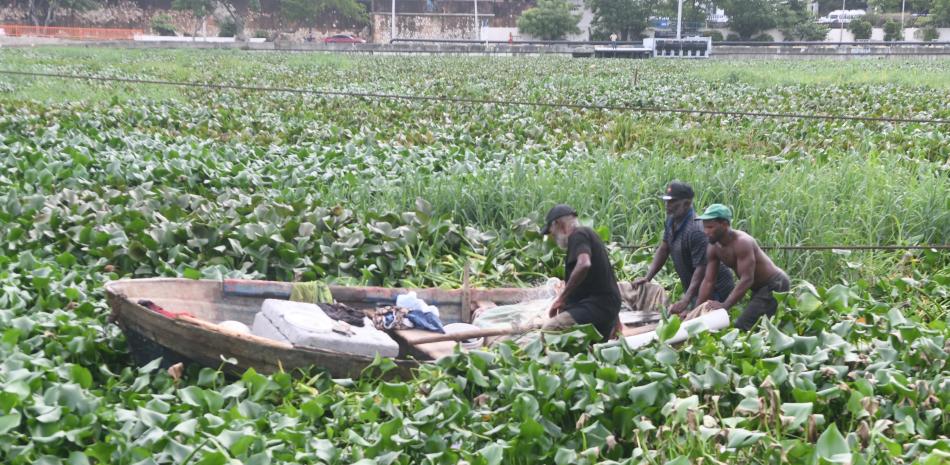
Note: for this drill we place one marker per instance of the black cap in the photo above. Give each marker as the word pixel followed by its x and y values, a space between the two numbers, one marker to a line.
pixel 678 190
pixel 554 213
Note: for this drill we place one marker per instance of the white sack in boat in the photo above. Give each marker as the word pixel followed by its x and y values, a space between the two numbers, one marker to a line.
pixel 712 321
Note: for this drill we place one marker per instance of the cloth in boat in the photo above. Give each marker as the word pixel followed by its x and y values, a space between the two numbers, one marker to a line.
pixel 648 297
pixel 161 311
pixel 527 315
pixel 700 310
pixel 392 318
pixel 343 312
pixel 313 292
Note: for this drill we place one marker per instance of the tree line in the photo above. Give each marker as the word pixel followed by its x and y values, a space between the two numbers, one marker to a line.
pixel 628 19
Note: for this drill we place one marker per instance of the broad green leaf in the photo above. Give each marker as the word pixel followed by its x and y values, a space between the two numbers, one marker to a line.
pixel 77 458
pixel 797 414
pixel 832 446
pixel 668 329
pixel 739 438
pixel 395 391
pixel 9 422
pixel 191 273
pixel 644 395
pixel 191 395
pixel 565 456
pixel 531 429
pixel 808 303
pixel 492 453
pixel 186 427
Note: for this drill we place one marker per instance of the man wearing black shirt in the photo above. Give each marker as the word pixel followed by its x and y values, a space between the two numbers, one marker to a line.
pixel 685 242
pixel 590 294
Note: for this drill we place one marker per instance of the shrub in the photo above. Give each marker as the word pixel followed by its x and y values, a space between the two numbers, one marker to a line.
pixel 928 34
pixel 806 30
pixel 923 21
pixel 716 35
pixel 162 25
pixel 861 28
pixel 228 28
pixel 763 37
pixel 893 31
pixel 733 37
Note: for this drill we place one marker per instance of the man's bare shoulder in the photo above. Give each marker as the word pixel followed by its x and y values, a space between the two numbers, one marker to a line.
pixel 744 242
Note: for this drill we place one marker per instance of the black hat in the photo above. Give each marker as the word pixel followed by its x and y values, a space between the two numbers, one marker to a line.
pixel 678 190
pixel 554 213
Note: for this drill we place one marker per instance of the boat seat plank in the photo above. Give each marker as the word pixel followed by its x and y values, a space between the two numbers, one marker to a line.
pixel 634 330
pixel 432 351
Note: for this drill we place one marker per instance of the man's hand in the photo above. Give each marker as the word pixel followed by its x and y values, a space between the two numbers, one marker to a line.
pixel 679 307
pixel 556 307
pixel 639 282
pixel 714 304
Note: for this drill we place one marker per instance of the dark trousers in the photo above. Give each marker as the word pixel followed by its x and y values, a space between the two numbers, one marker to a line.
pixel 763 302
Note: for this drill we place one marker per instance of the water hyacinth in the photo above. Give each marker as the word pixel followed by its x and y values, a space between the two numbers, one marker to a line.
pixel 102 182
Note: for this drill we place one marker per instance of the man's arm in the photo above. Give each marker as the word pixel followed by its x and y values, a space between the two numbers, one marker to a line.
pixel 745 268
pixel 712 268
pixel 698 249
pixel 694 283
pixel 659 259
pixel 577 277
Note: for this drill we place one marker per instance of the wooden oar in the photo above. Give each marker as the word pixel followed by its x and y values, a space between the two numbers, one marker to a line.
pixel 471 334
pixel 506 331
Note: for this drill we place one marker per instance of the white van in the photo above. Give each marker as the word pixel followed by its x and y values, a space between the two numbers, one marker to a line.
pixel 842 16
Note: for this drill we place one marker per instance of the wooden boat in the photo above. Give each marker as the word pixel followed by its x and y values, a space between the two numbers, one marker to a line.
pixel 199 339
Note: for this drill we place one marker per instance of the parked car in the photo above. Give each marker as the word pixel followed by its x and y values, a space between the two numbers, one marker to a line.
pixel 343 39
pixel 842 16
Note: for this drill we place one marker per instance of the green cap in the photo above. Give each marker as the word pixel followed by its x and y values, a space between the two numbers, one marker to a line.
pixel 716 211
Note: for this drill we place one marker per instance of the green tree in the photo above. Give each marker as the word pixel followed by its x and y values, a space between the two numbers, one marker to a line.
pixel 200 9
pixel 747 17
pixel 308 12
pixel 861 28
pixel 162 24
pixel 238 11
pixel 940 11
pixel 550 20
pixel 46 10
pixel 893 31
pixel 826 6
pixel 797 23
pixel 694 11
pixel 807 30
pixel 928 34
pixel 628 18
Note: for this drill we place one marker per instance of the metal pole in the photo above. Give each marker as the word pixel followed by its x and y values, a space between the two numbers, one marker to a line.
pixel 478 26
pixel 903 3
pixel 841 22
pixel 679 19
pixel 392 20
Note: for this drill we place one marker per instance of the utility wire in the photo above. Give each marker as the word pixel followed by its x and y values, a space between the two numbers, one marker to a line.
pixel 829 247
pixel 461 100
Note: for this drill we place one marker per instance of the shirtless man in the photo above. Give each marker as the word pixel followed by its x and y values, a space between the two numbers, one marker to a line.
pixel 739 251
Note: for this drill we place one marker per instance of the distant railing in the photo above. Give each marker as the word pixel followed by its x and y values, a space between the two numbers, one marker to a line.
pixel 78 33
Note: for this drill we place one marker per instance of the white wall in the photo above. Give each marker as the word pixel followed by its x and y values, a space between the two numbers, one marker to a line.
pixel 835 34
